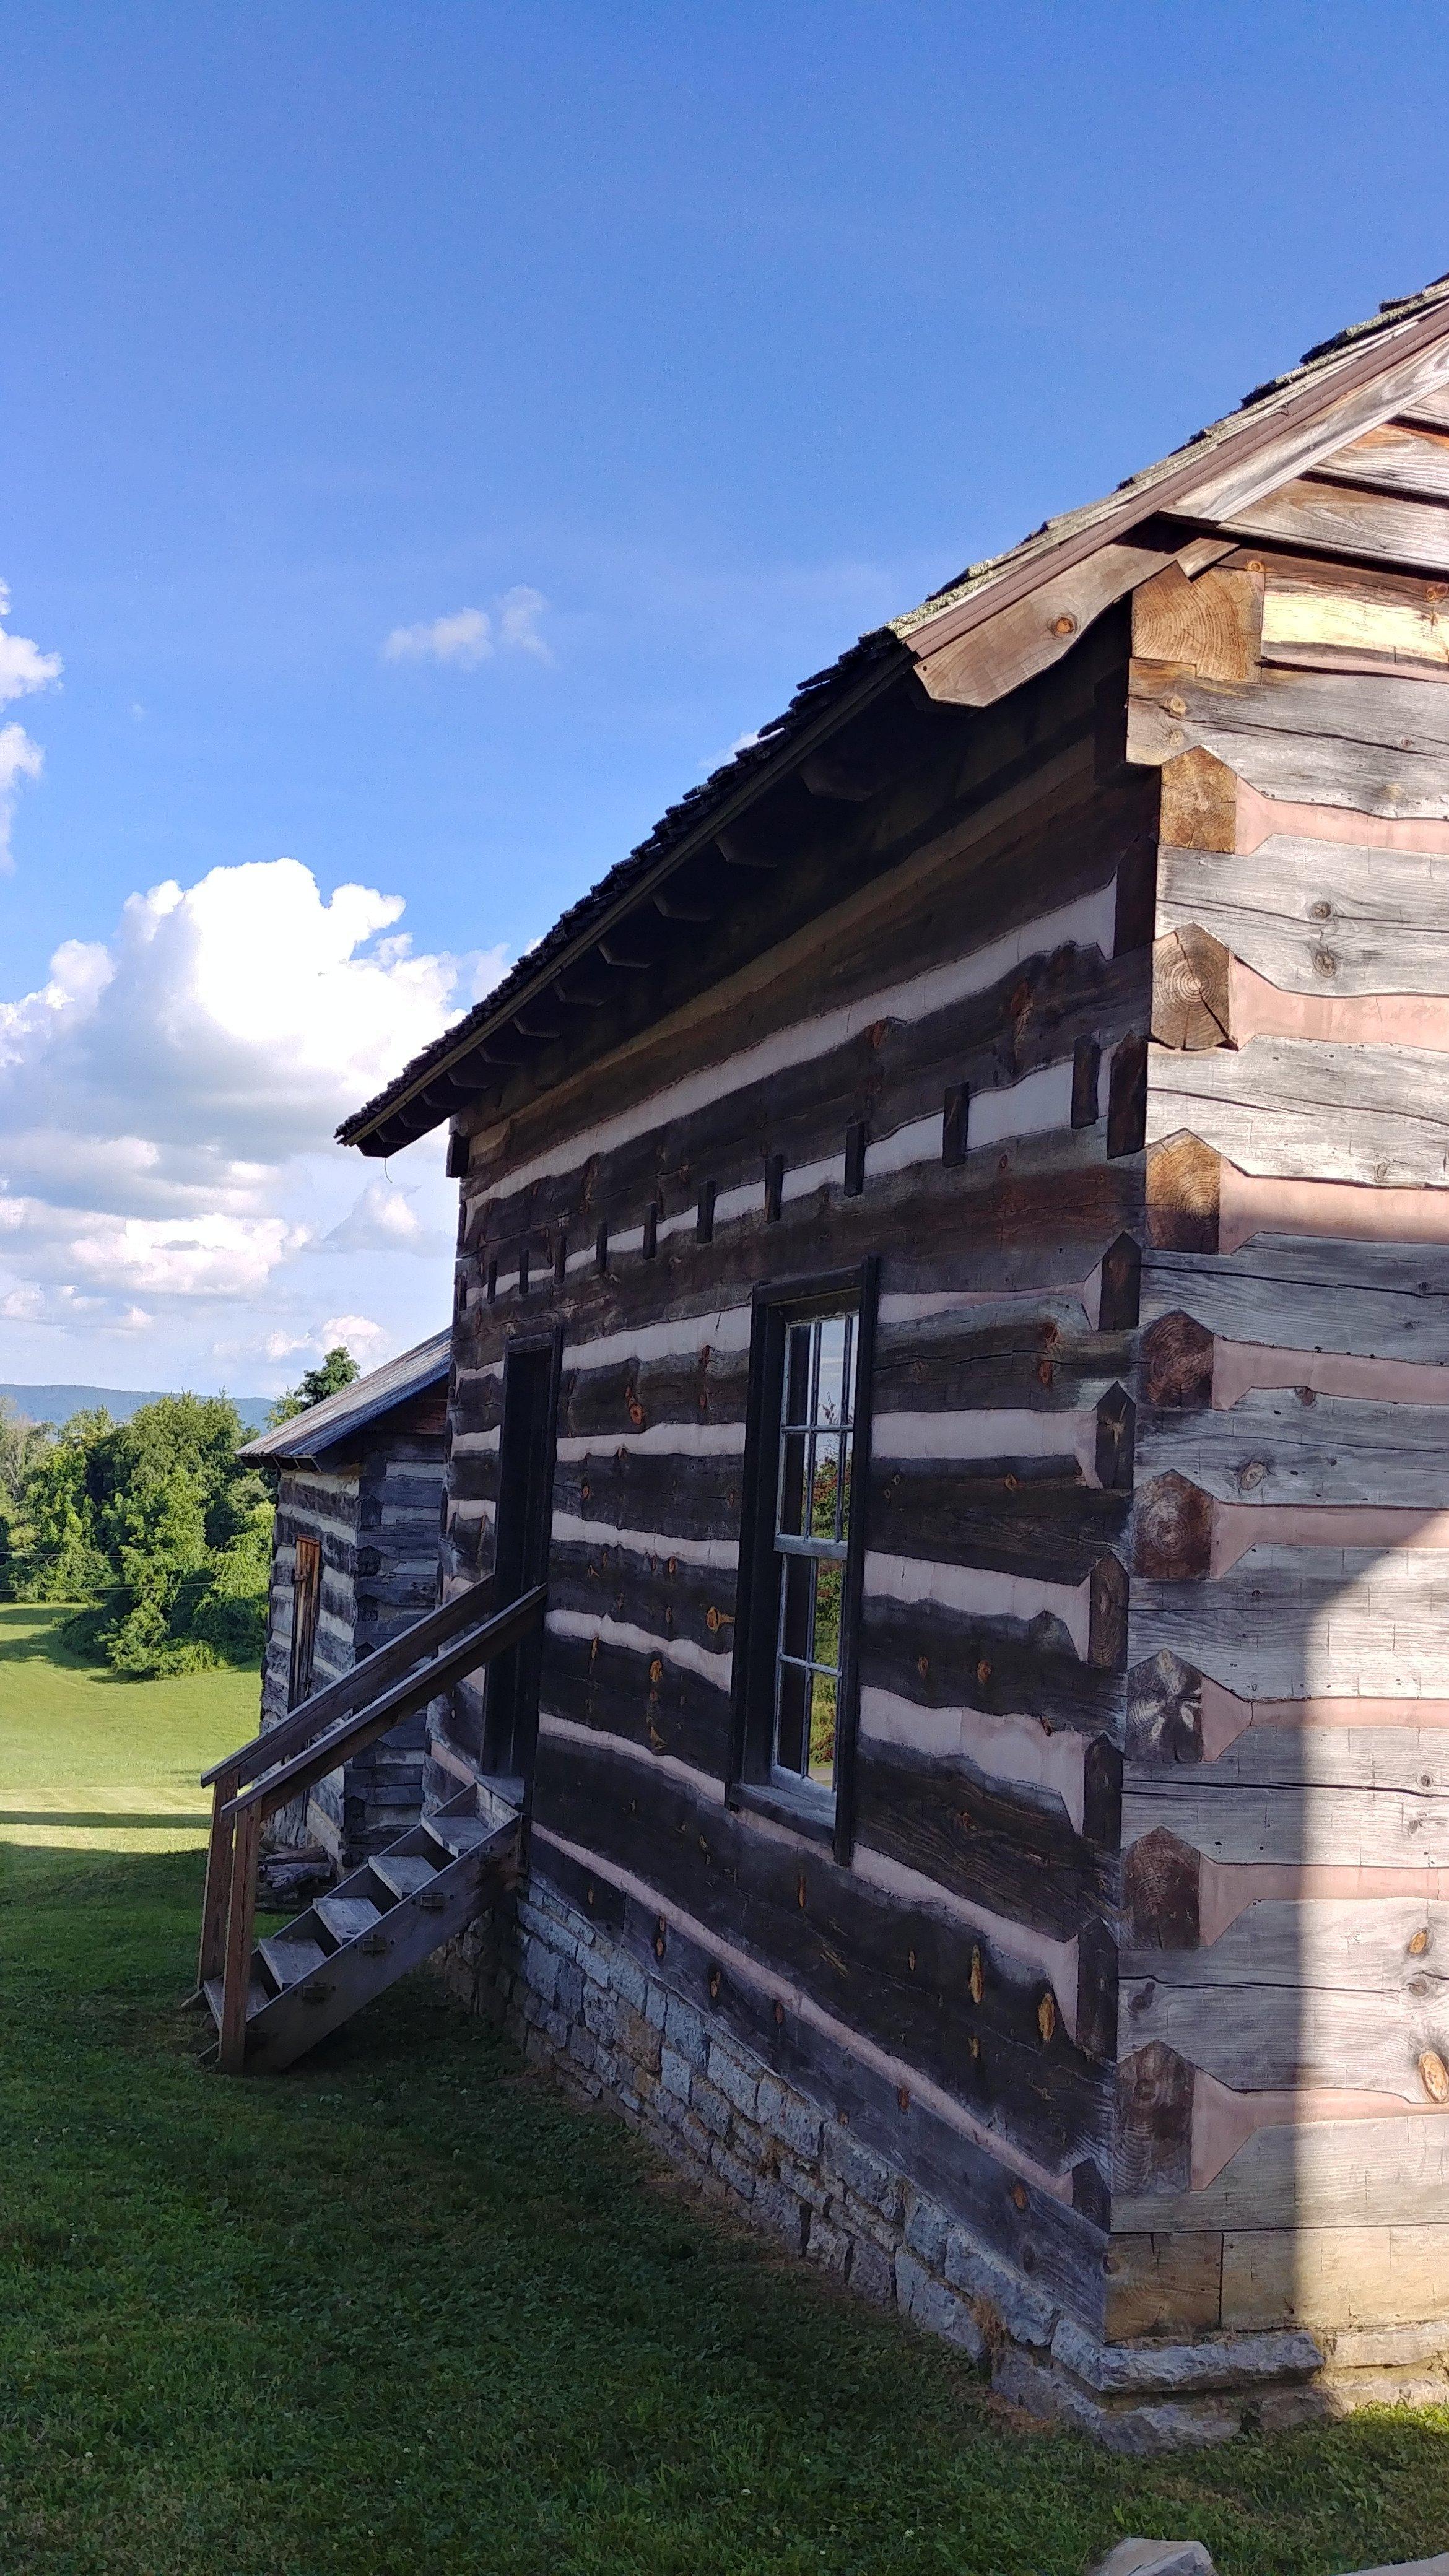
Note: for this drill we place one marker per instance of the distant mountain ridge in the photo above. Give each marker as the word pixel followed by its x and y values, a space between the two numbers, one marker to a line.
pixel 58 1403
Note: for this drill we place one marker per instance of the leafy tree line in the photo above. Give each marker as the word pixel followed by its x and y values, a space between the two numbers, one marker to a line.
pixel 153 1525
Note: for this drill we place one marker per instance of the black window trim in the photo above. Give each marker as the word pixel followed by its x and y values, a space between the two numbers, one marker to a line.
pixel 774 1303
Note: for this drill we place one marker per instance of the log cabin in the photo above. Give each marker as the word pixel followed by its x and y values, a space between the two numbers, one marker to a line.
pixel 946 1434
pixel 359 1482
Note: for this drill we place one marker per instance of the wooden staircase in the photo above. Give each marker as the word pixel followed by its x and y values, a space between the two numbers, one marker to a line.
pixel 273 1999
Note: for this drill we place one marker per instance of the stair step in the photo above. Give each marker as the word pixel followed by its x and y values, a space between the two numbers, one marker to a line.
pixel 457 1834
pixel 257 1996
pixel 346 1916
pixel 290 1960
pixel 403 1872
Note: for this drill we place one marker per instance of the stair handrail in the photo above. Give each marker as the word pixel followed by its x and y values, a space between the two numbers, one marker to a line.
pixel 353 1734
pixel 243 1815
pixel 337 1698
pixel 276 1744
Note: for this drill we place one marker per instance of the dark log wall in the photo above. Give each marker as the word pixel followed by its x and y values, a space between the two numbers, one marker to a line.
pixel 992 956
pixel 374 1508
pixel 1284 2144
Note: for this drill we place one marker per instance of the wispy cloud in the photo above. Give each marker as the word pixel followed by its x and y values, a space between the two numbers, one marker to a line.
pixel 23 670
pixel 19 758
pixel 472 635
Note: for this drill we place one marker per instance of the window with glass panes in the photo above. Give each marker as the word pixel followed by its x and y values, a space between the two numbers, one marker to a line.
pixel 811 1540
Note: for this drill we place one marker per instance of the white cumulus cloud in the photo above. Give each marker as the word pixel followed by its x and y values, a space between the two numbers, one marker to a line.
pixel 23 666
pixel 167 1101
pixel 472 635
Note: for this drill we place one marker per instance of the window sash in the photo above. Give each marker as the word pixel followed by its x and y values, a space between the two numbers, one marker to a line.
pixel 814 1431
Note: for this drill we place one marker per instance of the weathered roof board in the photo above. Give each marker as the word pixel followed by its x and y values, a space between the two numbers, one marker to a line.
pixel 1267 469
pixel 339 1417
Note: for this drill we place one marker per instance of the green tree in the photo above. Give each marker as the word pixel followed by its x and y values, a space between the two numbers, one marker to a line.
pixel 338 1369
pixel 156 1526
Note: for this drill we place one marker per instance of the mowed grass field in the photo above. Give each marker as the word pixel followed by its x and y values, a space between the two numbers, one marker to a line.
pixel 405 2312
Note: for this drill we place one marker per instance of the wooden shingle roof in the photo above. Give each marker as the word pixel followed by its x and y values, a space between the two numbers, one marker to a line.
pixel 323 1427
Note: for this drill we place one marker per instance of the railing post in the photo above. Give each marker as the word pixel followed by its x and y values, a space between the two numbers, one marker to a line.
pixel 214 1903
pixel 241 1915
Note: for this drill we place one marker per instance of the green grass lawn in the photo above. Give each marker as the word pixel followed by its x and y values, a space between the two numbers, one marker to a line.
pixel 406 2310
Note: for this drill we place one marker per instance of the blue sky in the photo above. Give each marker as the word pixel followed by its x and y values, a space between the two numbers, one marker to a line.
pixel 667 348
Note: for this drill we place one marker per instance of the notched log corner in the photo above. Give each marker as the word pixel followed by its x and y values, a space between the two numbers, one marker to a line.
pixel 1183 1182
pixel 1160 1901
pixel 1212 626
pixel 1177 1363
pixel 1191 991
pixel 1174 1530
pixel 1164 1710
pixel 1154 2122
pixel 1199 803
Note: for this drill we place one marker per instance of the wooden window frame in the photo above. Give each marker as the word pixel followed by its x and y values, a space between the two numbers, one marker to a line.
pixel 303 1652
pixel 776 1304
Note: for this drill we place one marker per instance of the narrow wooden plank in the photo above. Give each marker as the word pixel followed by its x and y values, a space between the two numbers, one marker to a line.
pixel 1396 457
pixel 1334 2278
pixel 1347 519
pixel 1318 2174
pixel 1393 1948
pixel 665 1594
pixel 1285 1448
pixel 1384 1300
pixel 1289 1623
pixel 1255 2036
pixel 346 1917
pixel 1378 745
pixel 1389 1828
pixel 404 1872
pixel 1306 1111
pixel 292 1959
pixel 1313 916
pixel 1026 638
pixel 237 1969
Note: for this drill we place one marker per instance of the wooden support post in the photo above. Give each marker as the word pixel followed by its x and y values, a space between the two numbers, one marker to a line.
pixel 241 1914
pixel 218 1878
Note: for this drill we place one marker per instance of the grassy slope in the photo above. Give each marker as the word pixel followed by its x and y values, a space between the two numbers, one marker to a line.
pixel 405 2310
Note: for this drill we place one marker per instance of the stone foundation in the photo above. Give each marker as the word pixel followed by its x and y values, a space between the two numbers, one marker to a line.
pixel 576 2000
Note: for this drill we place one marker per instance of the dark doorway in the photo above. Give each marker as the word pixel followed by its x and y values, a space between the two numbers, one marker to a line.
pixel 520 1554
pixel 306 1603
